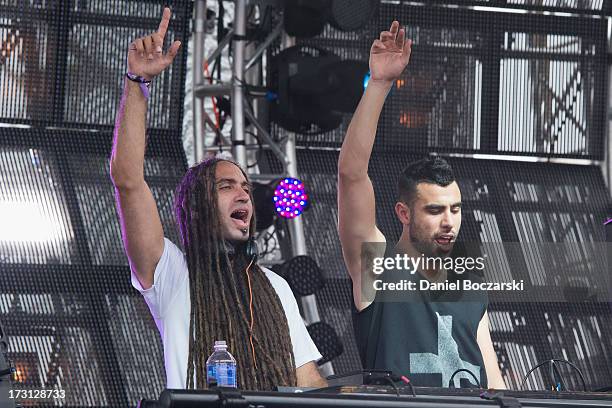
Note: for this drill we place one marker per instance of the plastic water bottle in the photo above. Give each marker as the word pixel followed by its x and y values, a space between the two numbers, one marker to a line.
pixel 221 367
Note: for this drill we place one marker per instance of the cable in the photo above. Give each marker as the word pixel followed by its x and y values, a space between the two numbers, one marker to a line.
pixel 220 32
pixel 253 90
pixel 530 371
pixel 561 384
pixel 259 144
pixel 251 312
pixel 553 368
pixel 395 387
pixel 267 236
pixel 560 360
pixel 407 381
pixel 251 13
pixel 451 383
pixel 214 101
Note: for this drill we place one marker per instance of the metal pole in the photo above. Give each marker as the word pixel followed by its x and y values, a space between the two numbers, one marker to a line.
pixel 204 90
pixel 296 226
pixel 221 45
pixel 607 164
pixel 199 29
pixel 239 43
pixel 264 45
pixel 263 133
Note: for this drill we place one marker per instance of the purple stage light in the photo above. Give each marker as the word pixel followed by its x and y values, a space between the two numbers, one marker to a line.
pixel 290 198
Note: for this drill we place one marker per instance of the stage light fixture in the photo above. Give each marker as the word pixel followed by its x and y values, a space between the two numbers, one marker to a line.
pixel 352 15
pixel 307 18
pixel 290 198
pixel 313 87
pixel 303 275
pixel 327 341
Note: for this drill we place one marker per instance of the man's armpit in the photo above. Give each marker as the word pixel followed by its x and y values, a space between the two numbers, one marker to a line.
pixel 369 252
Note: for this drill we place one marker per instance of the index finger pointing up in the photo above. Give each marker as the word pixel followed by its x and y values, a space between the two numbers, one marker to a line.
pixel 163 24
pixel 394 27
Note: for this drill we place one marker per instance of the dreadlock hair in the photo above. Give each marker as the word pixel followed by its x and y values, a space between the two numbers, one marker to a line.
pixel 428 170
pixel 219 291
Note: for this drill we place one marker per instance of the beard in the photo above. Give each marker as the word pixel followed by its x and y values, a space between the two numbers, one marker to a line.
pixel 425 244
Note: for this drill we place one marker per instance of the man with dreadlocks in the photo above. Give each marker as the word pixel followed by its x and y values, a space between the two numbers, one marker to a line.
pixel 215 291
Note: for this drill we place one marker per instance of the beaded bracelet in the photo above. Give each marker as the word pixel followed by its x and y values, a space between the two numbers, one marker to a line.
pixel 145 84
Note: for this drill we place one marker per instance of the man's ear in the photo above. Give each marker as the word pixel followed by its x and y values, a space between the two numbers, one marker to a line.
pixel 403 212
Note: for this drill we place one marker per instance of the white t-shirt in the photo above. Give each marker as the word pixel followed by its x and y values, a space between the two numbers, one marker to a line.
pixel 170 304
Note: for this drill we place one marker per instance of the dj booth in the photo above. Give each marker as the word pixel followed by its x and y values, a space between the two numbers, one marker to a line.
pixel 374 396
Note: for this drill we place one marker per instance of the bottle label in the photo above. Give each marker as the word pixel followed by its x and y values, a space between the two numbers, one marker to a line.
pixel 221 375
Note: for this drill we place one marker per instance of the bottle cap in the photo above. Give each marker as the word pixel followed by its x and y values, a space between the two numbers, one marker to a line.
pixel 220 344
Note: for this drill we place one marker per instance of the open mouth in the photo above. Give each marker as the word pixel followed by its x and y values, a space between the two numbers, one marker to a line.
pixel 241 215
pixel 444 240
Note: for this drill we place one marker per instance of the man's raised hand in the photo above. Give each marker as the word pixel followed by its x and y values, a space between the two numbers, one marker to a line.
pixel 145 55
pixel 389 54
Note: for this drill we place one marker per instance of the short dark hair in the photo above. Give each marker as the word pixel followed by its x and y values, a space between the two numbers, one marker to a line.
pixel 433 170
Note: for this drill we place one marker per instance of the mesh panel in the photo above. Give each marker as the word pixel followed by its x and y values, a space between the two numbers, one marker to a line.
pixel 131 329
pixel 87 102
pixel 487 81
pixel 96 199
pixel 525 335
pixel 36 225
pixel 589 5
pixel 73 320
pixel 24 81
pixel 74 343
pixel 63 64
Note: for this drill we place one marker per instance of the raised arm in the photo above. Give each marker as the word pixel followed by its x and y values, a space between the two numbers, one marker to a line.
pixel 141 228
pixel 389 56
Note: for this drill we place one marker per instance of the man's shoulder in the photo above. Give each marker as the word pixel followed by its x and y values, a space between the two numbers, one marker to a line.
pixel 172 249
pixel 173 258
pixel 279 283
